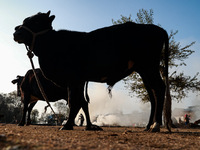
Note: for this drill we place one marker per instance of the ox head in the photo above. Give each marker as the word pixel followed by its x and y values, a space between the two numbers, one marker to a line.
pixel 33 26
pixel 18 80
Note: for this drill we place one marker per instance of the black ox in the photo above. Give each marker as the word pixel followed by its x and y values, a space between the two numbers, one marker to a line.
pixel 30 93
pixel 105 55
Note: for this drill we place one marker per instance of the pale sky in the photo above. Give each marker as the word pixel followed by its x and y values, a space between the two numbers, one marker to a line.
pixel 88 15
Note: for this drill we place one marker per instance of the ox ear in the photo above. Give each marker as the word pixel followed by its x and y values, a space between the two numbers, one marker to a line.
pixel 14 81
pixel 51 18
pixel 48 13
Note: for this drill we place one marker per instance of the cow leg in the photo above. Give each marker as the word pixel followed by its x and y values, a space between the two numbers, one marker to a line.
pixel 159 94
pixel 156 90
pixel 89 126
pixel 25 100
pixel 152 101
pixel 74 96
pixel 28 122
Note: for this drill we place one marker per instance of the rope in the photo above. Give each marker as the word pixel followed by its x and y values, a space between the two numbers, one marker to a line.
pixel 34 35
pixel 30 55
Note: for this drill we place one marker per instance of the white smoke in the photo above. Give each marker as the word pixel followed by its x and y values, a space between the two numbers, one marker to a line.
pixel 119 110
pixel 195 106
pixel 191 107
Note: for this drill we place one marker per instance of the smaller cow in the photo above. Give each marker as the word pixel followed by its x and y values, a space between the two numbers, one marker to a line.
pixel 30 93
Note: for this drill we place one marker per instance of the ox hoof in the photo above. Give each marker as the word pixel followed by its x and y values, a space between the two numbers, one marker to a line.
pixel 146 129
pixel 21 124
pixel 28 123
pixel 155 127
pixel 67 128
pixel 93 128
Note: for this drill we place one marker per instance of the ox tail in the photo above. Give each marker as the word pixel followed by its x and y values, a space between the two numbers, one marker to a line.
pixel 86 92
pixel 167 103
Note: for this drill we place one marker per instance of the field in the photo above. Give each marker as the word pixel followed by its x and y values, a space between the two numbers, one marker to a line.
pixel 111 138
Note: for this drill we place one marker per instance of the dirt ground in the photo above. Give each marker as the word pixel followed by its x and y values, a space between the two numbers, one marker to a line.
pixel 13 137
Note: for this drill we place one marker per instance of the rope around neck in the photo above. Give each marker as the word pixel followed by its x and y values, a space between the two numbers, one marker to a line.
pixel 34 34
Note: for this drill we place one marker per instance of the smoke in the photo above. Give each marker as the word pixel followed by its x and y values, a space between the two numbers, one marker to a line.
pixel 118 110
pixel 191 107
pixel 196 107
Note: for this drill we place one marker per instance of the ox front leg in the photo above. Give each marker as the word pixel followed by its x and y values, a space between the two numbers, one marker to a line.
pixel 74 105
pixel 26 102
pixel 89 126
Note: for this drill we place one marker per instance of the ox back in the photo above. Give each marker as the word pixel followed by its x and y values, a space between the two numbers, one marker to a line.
pixel 104 55
pixel 29 85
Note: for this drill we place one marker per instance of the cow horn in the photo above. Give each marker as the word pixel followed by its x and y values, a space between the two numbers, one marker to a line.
pixel 48 13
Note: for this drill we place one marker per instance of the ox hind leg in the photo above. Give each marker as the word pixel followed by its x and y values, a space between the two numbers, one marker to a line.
pixel 152 101
pixel 156 89
pixel 76 101
pixel 30 108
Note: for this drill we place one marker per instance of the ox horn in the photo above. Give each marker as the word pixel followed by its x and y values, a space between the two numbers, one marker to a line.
pixel 48 13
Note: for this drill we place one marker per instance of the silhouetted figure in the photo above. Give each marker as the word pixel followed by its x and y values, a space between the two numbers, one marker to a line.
pixel 187 119
pixel 81 118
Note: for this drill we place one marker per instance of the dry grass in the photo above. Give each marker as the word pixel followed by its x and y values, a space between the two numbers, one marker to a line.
pixel 49 137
